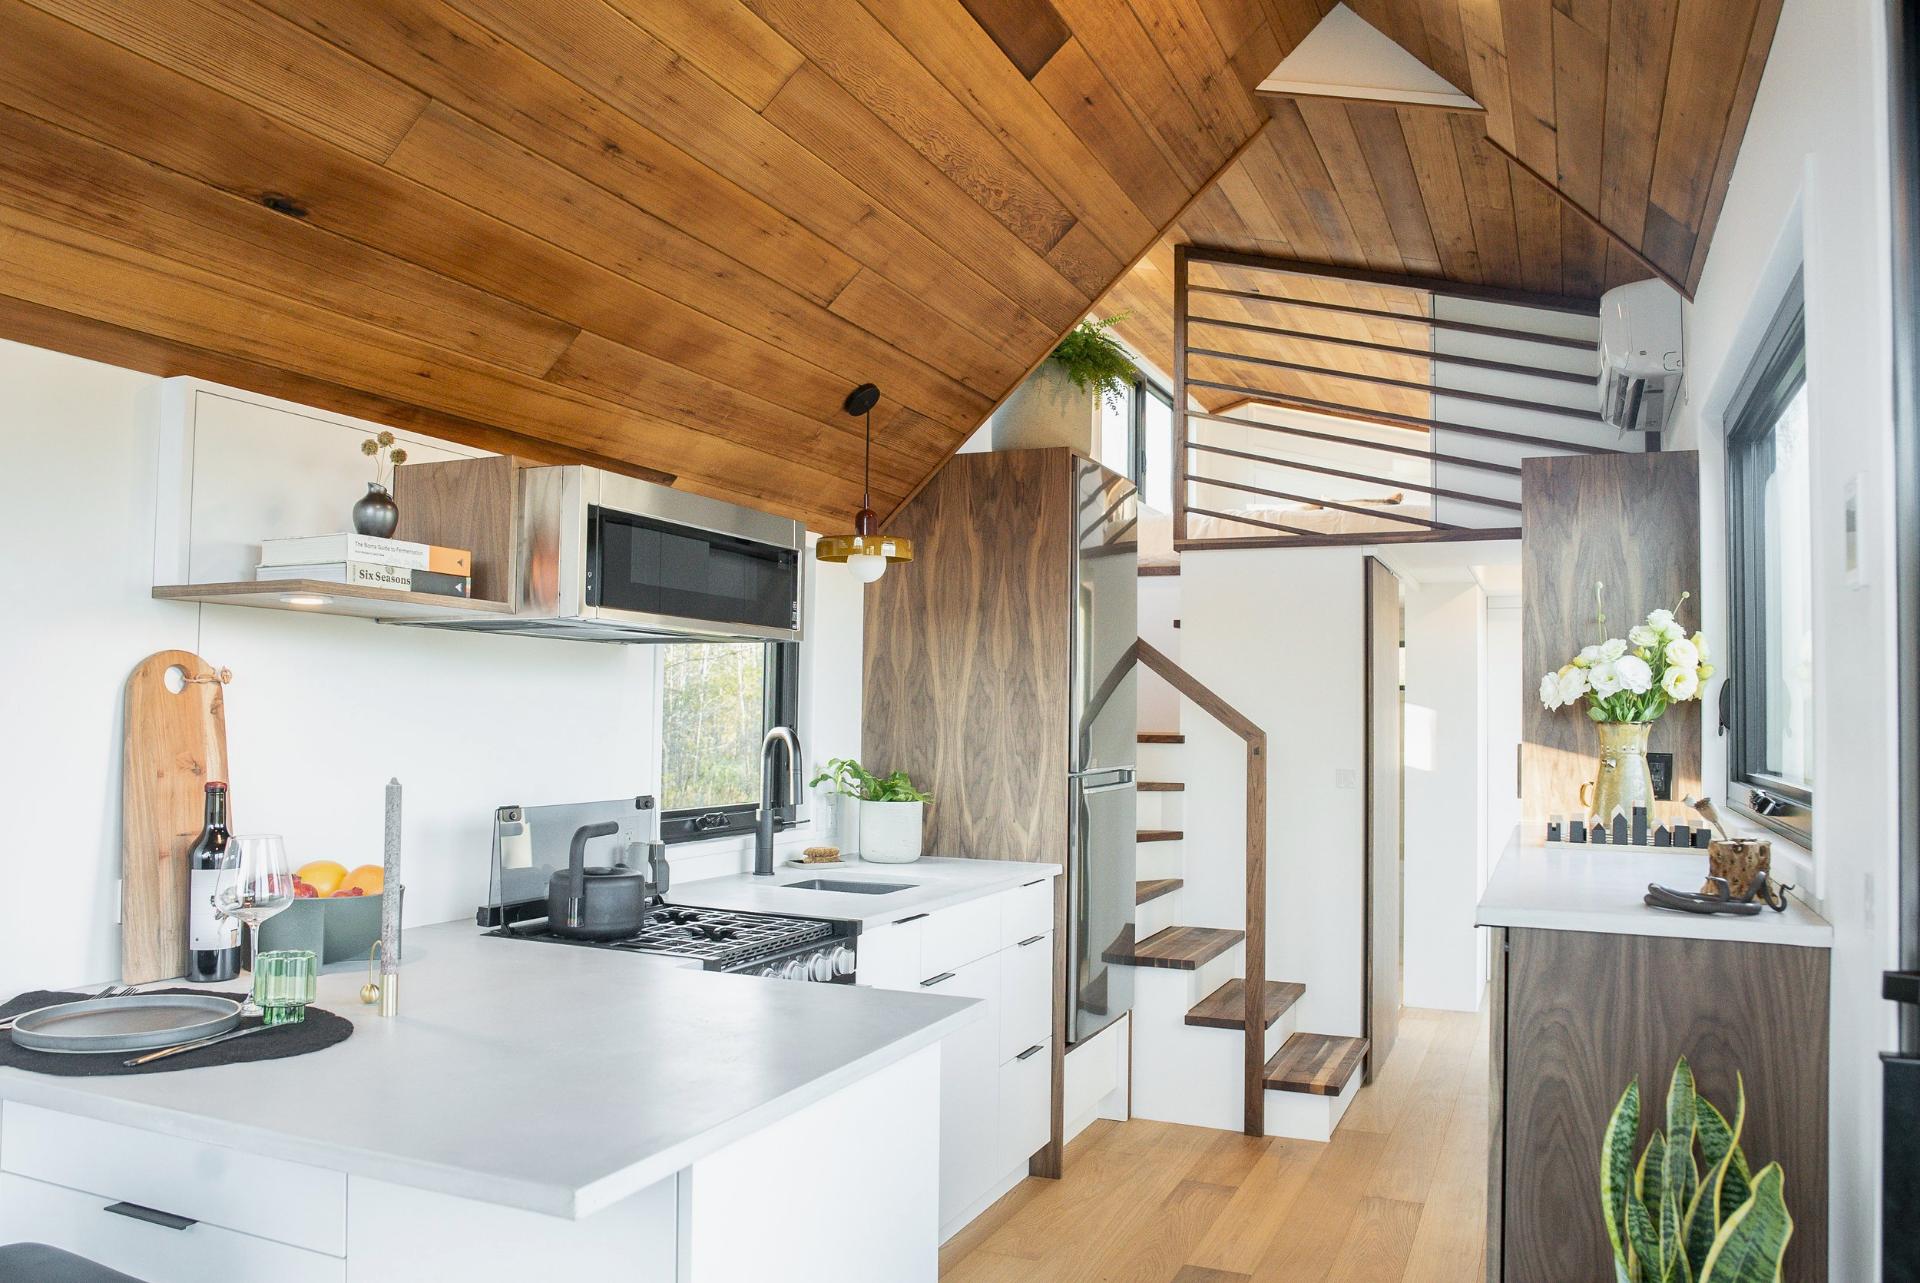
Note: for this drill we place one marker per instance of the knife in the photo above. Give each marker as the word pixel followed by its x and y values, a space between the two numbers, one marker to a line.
pixel 191 1046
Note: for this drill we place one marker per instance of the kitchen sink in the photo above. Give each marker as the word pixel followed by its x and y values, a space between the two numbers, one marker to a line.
pixel 850 887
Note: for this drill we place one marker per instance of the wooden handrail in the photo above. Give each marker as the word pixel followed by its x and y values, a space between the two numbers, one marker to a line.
pixel 1254 1122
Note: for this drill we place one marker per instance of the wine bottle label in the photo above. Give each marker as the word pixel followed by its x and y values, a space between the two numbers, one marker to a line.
pixel 205 928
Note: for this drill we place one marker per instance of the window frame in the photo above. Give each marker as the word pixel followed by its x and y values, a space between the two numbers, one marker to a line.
pixel 1776 374
pixel 1143 388
pixel 780 706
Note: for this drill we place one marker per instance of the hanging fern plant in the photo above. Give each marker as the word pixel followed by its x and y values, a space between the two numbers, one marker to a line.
pixel 1095 362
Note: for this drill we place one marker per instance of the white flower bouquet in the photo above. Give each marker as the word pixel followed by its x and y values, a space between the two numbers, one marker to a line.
pixel 1632 679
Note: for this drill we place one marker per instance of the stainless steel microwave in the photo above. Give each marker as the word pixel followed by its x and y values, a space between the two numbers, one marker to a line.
pixel 606 557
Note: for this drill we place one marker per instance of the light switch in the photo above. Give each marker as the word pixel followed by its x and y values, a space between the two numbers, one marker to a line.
pixel 1344 778
pixel 1856 570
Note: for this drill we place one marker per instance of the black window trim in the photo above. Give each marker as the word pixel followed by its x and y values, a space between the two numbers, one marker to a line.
pixel 1776 374
pixel 781 703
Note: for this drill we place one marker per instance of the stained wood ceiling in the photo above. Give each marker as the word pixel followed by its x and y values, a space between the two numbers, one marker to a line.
pixel 665 234
pixel 668 235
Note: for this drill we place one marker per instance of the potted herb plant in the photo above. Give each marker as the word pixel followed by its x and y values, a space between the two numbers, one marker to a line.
pixel 1671 1219
pixel 891 811
pixel 1059 404
pixel 1626 684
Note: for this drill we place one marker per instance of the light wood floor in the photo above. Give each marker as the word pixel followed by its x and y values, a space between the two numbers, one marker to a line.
pixel 1398 1196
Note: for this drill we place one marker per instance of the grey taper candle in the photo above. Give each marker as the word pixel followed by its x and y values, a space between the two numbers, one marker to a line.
pixel 390 908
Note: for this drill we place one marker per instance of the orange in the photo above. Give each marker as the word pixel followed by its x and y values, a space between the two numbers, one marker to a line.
pixel 370 878
pixel 324 876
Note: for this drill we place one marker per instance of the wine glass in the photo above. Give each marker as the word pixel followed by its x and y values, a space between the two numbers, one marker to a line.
pixel 256 884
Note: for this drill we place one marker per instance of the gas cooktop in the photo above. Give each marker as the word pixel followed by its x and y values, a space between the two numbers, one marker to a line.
pixel 726 940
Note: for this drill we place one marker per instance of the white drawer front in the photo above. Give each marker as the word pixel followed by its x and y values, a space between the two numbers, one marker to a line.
pixel 1026 995
pixel 969 1091
pixel 32 1211
pixel 286 1202
pixel 951 938
pixel 888 956
pixel 1026 1099
pixel 1026 911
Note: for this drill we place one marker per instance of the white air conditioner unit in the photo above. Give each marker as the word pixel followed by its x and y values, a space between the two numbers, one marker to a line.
pixel 1639 355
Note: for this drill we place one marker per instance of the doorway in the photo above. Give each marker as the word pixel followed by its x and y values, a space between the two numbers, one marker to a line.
pixel 1383 836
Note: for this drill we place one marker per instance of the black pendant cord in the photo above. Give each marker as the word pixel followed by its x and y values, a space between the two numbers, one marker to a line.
pixel 866 468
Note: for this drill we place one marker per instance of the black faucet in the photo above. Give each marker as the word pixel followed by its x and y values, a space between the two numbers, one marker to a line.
pixel 763 835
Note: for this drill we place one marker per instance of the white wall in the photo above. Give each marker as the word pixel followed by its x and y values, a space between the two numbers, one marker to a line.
pixel 1445 817
pixel 321 710
pixel 1502 725
pixel 1811 182
pixel 1278 635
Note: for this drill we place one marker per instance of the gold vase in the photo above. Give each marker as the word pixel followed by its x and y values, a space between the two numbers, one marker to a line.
pixel 1621 781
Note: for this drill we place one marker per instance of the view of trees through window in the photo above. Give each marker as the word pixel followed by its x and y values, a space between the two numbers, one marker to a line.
pixel 714 709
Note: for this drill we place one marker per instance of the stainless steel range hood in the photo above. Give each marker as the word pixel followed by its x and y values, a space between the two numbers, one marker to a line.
pixel 609 558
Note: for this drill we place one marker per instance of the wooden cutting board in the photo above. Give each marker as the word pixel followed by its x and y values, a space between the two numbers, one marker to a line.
pixel 176 741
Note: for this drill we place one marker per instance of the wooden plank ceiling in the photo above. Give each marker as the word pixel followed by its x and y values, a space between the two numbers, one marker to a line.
pixel 666 235
pixel 1603 157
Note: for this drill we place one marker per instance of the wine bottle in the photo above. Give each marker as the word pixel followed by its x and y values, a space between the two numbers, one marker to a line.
pixel 213 942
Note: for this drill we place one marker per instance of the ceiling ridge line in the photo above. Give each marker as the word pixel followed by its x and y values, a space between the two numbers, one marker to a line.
pixel 1632 251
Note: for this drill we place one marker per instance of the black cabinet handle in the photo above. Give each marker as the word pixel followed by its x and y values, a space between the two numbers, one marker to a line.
pixel 911 918
pixel 1031 940
pixel 165 1220
pixel 1029 1051
pixel 1036 882
pixel 934 980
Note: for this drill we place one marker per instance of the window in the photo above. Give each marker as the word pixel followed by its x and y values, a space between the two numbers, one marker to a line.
pixel 1768 699
pixel 717 702
pixel 1136 438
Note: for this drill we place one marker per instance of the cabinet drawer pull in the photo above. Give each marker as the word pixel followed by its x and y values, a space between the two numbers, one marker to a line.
pixel 1029 1051
pixel 152 1216
pixel 900 922
pixel 934 980
pixel 1036 882
pixel 1032 940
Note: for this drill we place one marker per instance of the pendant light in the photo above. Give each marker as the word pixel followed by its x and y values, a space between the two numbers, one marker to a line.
pixel 866 551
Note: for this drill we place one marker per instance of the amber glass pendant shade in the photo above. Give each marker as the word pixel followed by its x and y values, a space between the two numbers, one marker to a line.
pixel 866 552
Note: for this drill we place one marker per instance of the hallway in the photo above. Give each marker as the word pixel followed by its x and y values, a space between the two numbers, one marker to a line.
pixel 1399 1194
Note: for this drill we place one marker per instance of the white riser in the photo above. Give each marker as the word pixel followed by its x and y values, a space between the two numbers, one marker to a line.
pixel 1186 1073
pixel 1161 810
pixel 1304 1117
pixel 1156 915
pixel 1159 761
pixel 1158 860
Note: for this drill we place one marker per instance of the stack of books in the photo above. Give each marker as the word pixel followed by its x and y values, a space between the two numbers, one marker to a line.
pixel 369 562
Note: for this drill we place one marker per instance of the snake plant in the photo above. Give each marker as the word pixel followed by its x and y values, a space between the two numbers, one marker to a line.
pixel 1672 1220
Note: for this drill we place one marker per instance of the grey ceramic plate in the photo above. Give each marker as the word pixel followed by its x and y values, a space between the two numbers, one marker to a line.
pixel 141 1022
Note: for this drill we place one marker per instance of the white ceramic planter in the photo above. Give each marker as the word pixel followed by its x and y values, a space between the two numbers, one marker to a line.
pixel 846 822
pixel 890 831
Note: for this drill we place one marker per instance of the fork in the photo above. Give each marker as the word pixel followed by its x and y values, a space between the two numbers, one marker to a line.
pixel 111 991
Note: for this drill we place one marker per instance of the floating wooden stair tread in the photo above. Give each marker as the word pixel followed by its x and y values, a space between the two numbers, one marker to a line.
pixel 1160 786
pixel 1176 948
pixel 1153 888
pixel 1162 737
pixel 1226 1007
pixel 1317 1064
pixel 1159 569
pixel 1157 835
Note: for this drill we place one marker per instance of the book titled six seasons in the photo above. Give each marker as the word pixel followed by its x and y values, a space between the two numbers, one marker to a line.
pixel 366 561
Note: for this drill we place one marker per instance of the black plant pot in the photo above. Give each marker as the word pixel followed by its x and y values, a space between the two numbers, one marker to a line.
pixel 376 514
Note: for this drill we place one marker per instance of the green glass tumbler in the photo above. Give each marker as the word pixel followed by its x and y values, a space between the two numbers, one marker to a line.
pixel 283 984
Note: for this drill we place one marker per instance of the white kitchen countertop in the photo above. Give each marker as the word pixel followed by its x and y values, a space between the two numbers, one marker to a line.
pixel 935 883
pixel 1601 889
pixel 529 1074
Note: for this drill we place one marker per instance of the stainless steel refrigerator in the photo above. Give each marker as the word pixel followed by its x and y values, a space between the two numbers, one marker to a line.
pixel 1103 727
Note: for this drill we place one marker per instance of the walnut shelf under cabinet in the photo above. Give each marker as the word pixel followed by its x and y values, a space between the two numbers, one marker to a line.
pixel 358 600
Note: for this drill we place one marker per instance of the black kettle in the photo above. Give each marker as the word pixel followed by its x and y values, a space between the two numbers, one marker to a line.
pixel 604 902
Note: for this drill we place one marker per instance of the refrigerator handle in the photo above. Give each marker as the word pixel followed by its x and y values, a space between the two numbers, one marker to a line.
pixel 1122 779
pixel 1125 772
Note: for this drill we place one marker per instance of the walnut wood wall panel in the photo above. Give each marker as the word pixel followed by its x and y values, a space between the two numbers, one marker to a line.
pixel 665 235
pixel 1631 522
pixel 966 656
pixel 1587 1013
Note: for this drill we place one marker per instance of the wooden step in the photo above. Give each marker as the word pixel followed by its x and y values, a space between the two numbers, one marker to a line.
pixel 1157 835
pixel 1160 786
pixel 1162 737
pixel 1154 888
pixel 1176 948
pixel 1317 1064
pixel 1226 1007
pixel 1159 569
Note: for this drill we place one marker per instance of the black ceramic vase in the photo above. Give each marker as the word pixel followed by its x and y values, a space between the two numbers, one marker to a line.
pixel 376 514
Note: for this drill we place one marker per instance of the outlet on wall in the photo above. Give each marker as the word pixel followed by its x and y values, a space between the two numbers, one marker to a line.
pixel 1345 778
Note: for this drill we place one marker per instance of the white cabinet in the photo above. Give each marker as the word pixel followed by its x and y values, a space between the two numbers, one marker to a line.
pixel 996 1073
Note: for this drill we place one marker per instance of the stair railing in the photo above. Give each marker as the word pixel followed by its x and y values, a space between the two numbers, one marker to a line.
pixel 1255 739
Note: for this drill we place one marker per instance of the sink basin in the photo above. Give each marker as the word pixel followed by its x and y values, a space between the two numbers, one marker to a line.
pixel 849 887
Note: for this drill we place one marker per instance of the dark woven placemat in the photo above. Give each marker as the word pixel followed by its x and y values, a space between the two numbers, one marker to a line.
pixel 319 1030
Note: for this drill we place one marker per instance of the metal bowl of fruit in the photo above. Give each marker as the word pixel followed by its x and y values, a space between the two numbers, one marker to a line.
pixel 335 913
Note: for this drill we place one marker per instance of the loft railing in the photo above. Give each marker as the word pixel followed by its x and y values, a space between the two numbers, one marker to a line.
pixel 1327 395
pixel 1253 1085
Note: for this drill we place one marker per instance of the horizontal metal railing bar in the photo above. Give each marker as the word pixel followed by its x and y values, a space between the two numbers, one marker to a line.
pixel 1464 534
pixel 1423 354
pixel 1377 510
pixel 1252 521
pixel 1537 300
pixel 1487 398
pixel 1391 419
pixel 1457 460
pixel 1379 314
pixel 1391 483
